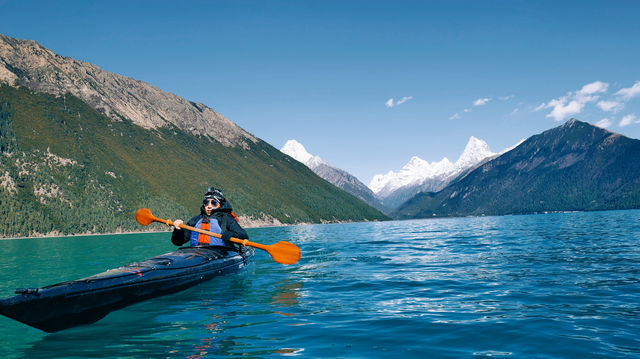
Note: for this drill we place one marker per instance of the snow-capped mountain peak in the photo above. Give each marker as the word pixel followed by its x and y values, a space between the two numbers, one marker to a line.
pixel 416 164
pixel 412 173
pixel 296 150
pixel 475 151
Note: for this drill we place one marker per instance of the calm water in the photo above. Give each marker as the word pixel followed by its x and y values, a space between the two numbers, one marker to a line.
pixel 555 285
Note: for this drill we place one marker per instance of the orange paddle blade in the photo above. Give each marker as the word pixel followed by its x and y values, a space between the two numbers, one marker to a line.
pixel 284 252
pixel 144 216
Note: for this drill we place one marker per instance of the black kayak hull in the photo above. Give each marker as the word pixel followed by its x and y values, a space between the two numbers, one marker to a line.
pixel 87 300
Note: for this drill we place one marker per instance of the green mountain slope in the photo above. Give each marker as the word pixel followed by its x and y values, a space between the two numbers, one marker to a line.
pixel 573 167
pixel 66 168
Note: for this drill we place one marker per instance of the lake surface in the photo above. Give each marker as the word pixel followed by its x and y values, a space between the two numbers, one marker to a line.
pixel 563 285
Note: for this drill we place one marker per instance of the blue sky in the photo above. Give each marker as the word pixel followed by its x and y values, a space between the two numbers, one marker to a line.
pixel 365 85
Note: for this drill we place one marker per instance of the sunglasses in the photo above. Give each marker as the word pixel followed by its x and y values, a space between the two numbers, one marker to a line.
pixel 210 201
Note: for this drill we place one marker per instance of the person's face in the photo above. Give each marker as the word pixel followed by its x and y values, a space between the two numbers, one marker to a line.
pixel 210 205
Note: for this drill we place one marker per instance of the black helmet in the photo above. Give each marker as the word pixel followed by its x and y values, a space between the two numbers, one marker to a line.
pixel 214 193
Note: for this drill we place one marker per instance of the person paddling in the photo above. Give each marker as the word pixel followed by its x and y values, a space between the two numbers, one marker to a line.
pixel 215 216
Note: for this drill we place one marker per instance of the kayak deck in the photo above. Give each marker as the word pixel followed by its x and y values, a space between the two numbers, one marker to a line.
pixel 87 300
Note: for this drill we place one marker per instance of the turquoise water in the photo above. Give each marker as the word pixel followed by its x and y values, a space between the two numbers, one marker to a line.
pixel 540 286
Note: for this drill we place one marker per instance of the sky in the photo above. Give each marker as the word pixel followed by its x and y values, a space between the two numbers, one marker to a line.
pixel 366 85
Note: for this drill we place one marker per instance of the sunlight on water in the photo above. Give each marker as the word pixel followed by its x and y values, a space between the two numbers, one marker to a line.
pixel 557 285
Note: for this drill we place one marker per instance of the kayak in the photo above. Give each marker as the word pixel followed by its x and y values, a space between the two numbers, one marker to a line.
pixel 87 300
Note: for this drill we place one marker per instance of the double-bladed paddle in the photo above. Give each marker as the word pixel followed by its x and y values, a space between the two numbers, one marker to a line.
pixel 281 252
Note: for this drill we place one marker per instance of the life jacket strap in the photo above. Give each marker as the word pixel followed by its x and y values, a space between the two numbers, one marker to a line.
pixel 236 217
pixel 203 238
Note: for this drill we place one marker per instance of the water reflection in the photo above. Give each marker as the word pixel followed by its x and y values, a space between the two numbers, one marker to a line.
pixel 287 294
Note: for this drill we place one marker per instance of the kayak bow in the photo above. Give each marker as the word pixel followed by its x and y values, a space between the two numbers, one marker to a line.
pixel 87 300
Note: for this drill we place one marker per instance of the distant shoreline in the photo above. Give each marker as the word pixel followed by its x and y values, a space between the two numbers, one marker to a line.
pixel 59 235
pixel 253 224
pixel 83 234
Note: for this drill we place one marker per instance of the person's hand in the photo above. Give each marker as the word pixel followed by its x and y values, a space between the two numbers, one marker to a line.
pixel 177 223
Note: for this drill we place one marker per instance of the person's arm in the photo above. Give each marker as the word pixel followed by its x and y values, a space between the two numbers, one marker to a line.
pixel 233 229
pixel 181 236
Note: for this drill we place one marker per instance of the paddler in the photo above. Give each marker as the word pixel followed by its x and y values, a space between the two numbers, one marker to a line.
pixel 215 216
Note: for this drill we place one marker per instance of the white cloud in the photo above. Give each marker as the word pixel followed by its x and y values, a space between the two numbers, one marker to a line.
pixel 574 103
pixel 506 98
pixel 563 109
pixel 628 120
pixel 610 106
pixel 455 116
pixel 594 87
pixel 604 123
pixel 630 92
pixel 404 99
pixel 481 101
pixel 390 102
pixel 466 110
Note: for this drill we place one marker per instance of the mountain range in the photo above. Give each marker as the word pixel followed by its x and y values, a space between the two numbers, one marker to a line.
pixel 387 192
pixel 82 148
pixel 573 167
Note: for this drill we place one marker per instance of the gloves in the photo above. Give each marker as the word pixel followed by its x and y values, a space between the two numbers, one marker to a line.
pixel 226 235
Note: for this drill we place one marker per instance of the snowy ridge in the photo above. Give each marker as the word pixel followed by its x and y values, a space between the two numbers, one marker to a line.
pixel 296 150
pixel 412 173
pixel 433 176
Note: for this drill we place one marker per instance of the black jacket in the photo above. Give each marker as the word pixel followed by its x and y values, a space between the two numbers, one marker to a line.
pixel 228 225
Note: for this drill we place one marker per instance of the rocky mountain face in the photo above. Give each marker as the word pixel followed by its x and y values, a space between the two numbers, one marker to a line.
pixel 573 167
pixel 394 188
pixel 27 63
pixel 339 178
